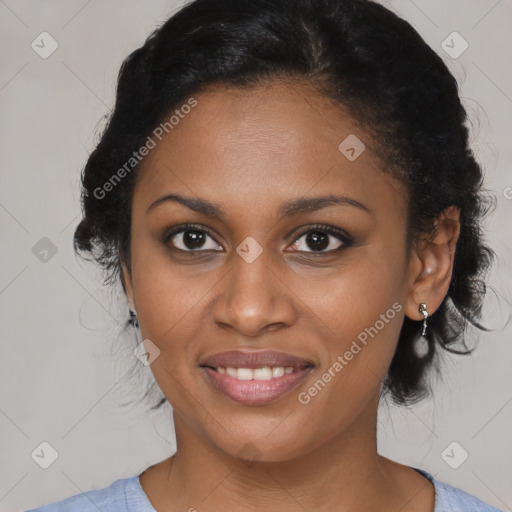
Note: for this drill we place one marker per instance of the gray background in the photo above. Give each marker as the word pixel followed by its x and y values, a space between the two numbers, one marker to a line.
pixel 63 367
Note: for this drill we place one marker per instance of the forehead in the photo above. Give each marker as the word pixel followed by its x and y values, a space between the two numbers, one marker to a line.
pixel 275 141
pixel 286 118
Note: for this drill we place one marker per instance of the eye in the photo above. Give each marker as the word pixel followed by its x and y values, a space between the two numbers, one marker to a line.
pixel 321 239
pixel 191 238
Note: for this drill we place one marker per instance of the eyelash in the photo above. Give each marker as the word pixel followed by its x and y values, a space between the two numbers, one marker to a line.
pixel 323 228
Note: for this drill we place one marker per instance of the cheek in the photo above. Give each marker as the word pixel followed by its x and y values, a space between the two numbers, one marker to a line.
pixel 362 308
pixel 168 294
pixel 358 361
pixel 171 315
pixel 169 306
pixel 353 296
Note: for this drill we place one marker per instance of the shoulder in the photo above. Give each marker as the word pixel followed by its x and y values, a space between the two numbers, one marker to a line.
pixel 123 495
pixel 455 500
pixel 452 499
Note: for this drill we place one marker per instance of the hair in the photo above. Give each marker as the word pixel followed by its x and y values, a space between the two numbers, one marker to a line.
pixel 375 66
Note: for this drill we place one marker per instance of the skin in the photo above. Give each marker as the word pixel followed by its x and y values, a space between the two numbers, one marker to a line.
pixel 249 151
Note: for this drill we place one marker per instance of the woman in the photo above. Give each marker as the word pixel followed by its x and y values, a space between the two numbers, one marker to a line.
pixel 286 191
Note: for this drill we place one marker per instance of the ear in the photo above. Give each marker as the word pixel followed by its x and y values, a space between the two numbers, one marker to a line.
pixel 126 280
pixel 431 265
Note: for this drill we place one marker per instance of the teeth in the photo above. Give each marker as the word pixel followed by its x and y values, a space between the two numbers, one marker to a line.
pixel 277 371
pixel 245 374
pixel 232 372
pixel 264 373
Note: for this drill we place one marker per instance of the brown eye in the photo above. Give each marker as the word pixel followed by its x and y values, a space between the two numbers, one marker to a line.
pixel 192 239
pixel 321 239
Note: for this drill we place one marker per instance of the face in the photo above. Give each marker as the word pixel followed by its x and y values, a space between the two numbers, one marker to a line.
pixel 300 295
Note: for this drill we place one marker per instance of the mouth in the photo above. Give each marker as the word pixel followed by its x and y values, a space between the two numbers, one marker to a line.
pixel 255 378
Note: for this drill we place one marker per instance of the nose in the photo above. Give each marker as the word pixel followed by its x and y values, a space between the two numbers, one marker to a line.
pixel 253 298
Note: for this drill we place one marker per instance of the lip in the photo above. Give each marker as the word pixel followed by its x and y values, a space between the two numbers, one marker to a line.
pixel 255 392
pixel 254 359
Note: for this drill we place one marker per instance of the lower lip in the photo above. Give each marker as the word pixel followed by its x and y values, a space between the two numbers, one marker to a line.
pixel 255 392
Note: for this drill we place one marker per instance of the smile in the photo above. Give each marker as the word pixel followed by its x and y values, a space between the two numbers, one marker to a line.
pixel 255 378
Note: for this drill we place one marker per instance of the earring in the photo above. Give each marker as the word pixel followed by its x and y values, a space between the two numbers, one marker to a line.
pixel 423 310
pixel 133 319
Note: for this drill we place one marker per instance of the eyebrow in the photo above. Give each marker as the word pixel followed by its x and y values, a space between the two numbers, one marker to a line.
pixel 288 209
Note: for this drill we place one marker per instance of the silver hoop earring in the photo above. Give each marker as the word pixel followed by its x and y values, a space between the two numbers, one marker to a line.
pixel 423 310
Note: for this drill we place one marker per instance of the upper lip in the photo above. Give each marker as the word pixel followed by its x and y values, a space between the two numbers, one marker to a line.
pixel 252 359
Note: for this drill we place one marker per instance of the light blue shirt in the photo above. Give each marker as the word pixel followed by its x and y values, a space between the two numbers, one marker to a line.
pixel 126 495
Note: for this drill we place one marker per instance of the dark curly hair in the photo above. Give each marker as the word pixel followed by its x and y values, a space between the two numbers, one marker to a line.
pixel 375 66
